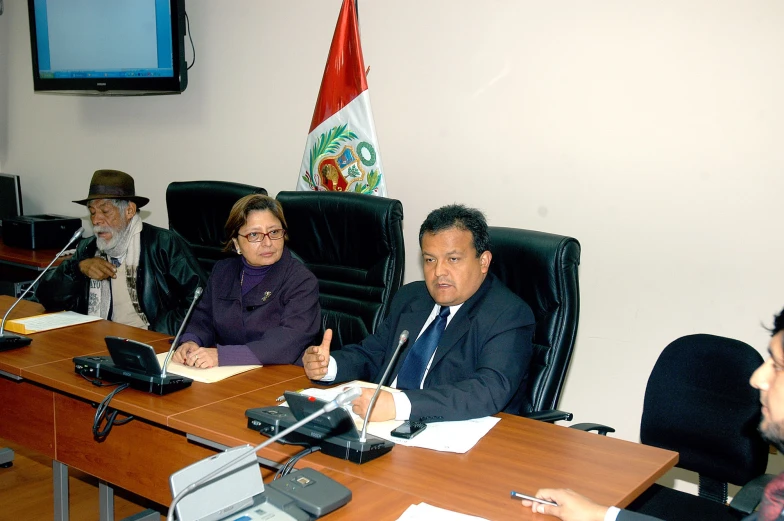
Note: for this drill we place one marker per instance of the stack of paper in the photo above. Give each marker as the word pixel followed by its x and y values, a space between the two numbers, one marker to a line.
pixel 38 323
pixel 456 436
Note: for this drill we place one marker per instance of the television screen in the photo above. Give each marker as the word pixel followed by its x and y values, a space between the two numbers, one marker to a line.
pixel 116 47
pixel 10 196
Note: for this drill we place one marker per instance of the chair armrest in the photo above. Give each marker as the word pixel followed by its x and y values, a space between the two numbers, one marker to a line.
pixel 598 427
pixel 549 416
pixel 747 498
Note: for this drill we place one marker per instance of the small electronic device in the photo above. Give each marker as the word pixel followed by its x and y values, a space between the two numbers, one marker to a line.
pixel 39 232
pixel 336 423
pixel 238 493
pixel 133 362
pixel 133 356
pixel 408 429
pixel 334 431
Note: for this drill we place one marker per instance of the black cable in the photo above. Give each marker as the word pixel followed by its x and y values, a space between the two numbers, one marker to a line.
pixel 188 30
pixel 284 441
pixel 110 417
pixel 96 382
pixel 296 458
pixel 287 467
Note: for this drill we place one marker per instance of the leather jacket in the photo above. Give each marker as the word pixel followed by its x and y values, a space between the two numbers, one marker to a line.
pixel 167 278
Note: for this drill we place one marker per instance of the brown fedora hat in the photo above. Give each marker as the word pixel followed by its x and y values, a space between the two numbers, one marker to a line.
pixel 113 184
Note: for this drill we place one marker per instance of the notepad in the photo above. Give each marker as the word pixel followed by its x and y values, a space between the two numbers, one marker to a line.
pixel 206 376
pixel 38 323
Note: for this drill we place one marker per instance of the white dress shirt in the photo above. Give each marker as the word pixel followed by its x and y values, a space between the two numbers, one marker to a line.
pixel 402 403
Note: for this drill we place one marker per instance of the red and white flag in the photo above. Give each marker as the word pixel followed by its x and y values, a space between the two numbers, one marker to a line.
pixel 341 153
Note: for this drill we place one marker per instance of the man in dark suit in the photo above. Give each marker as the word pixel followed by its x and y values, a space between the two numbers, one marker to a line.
pixel 769 379
pixel 470 343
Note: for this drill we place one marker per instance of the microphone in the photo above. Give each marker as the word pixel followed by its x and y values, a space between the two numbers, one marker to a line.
pixel 402 340
pixel 165 364
pixel 341 400
pixel 12 340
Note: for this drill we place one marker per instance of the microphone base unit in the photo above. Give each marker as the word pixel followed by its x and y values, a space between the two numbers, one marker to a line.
pixel 271 420
pixel 10 340
pixel 103 368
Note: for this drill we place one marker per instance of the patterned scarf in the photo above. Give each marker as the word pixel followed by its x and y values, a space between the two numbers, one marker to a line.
pixel 100 299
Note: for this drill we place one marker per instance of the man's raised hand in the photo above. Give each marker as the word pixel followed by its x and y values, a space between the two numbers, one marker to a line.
pixel 316 358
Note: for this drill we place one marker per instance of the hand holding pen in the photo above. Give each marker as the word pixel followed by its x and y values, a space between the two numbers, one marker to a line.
pixel 534 499
pixel 564 504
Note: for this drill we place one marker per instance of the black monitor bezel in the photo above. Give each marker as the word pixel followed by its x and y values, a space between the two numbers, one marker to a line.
pixel 118 86
pixel 19 210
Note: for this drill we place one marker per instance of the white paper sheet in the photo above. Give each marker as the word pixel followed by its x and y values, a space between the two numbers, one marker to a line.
pixel 425 512
pixel 456 436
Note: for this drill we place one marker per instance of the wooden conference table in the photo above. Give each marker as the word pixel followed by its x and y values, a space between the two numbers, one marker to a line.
pixel 46 407
pixel 35 260
pixel 20 266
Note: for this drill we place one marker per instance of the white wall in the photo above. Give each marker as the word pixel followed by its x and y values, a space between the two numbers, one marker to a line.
pixel 650 131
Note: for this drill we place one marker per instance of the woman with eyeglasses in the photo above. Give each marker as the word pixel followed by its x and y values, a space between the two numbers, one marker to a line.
pixel 260 307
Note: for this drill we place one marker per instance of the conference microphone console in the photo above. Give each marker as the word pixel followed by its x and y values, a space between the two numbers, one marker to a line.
pixel 102 367
pixel 334 432
pixel 136 363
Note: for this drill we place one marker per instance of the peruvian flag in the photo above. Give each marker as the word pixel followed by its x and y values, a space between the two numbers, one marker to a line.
pixel 341 153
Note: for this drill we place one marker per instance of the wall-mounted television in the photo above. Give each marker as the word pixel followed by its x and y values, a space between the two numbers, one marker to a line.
pixel 10 196
pixel 108 47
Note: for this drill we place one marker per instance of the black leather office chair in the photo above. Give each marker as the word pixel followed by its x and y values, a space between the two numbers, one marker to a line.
pixel 353 244
pixel 699 403
pixel 198 211
pixel 542 269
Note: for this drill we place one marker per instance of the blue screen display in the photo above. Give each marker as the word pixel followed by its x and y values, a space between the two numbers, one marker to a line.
pixel 104 38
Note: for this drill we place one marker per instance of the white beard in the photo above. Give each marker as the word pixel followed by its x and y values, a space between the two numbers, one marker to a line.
pixel 112 246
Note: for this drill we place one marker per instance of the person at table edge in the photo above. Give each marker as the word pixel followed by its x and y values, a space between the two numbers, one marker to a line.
pixel 769 379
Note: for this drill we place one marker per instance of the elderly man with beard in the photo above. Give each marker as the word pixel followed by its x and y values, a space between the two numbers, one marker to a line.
pixel 769 379
pixel 130 272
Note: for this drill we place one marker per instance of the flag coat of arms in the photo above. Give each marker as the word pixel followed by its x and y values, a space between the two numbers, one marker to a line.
pixel 341 153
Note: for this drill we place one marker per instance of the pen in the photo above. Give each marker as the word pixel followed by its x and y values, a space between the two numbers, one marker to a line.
pixel 283 398
pixel 534 499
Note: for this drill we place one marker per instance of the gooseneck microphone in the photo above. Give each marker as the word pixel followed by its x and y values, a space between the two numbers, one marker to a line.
pixel 165 364
pixel 340 400
pixel 12 340
pixel 402 340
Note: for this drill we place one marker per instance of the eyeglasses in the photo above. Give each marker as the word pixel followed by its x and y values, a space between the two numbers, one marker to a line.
pixel 274 235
